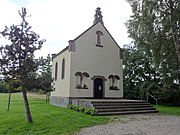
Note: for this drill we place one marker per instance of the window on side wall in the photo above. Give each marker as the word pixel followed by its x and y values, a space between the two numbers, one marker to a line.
pixel 63 69
pixel 56 71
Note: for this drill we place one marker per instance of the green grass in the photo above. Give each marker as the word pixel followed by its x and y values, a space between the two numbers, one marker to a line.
pixel 48 119
pixel 169 110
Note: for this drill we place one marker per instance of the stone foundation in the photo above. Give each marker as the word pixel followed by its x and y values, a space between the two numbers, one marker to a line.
pixel 59 101
pixel 65 101
pixel 81 102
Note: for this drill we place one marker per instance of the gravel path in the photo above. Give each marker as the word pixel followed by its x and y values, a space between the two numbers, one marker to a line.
pixel 146 124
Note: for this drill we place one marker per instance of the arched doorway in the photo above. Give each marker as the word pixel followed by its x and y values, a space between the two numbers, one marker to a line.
pixel 98 88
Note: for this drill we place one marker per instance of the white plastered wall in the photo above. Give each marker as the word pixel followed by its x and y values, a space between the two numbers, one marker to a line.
pixel 62 86
pixel 97 61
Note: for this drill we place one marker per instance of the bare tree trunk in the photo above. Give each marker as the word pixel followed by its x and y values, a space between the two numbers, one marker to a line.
pixel 26 103
pixel 9 101
pixel 177 47
pixel 174 24
pixel 46 96
pixel 176 42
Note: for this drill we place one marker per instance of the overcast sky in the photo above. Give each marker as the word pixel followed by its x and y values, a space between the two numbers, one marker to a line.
pixel 59 21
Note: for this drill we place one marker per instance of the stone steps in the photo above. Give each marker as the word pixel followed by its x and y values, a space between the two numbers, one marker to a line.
pixel 127 112
pixel 118 104
pixel 114 107
pixel 123 107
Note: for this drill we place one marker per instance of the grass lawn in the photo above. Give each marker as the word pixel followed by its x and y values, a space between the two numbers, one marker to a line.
pixel 48 119
pixel 169 110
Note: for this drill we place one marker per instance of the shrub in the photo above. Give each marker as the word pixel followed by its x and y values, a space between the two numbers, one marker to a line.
pixel 82 109
pixel 86 110
pixel 76 108
pixel 70 106
pixel 93 112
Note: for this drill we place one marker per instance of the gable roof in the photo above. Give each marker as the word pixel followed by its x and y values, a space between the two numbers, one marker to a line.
pixel 92 27
pixel 63 50
pixel 83 34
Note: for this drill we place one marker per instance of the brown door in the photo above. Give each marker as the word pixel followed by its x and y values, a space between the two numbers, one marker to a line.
pixel 98 88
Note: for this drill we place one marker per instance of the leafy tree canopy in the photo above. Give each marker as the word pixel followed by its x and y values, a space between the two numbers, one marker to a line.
pixel 155 28
pixel 17 59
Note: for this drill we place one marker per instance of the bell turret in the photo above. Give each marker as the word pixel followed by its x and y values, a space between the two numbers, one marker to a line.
pixel 98 16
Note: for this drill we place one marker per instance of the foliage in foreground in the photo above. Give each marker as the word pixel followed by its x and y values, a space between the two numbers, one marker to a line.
pixel 17 58
pixel 86 110
pixel 48 119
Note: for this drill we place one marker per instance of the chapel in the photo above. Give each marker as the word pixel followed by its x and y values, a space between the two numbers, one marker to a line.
pixel 90 67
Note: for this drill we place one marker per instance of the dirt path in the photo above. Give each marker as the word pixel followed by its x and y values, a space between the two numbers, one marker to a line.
pixel 146 124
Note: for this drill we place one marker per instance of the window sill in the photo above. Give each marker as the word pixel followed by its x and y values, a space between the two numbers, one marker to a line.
pixel 81 88
pixel 99 45
pixel 114 88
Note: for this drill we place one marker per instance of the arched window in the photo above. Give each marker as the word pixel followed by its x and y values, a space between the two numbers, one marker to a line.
pixel 114 82
pixel 110 80
pixel 63 69
pixel 98 37
pixel 78 79
pixel 56 70
pixel 84 81
pixel 81 80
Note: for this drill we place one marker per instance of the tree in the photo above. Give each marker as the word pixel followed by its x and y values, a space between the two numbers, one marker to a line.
pixel 156 21
pixel 45 78
pixel 154 26
pixel 140 76
pixel 17 59
pixel 151 30
pixel 11 85
pixel 2 86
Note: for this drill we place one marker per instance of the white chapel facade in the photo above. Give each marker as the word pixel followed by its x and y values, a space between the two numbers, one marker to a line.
pixel 89 67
